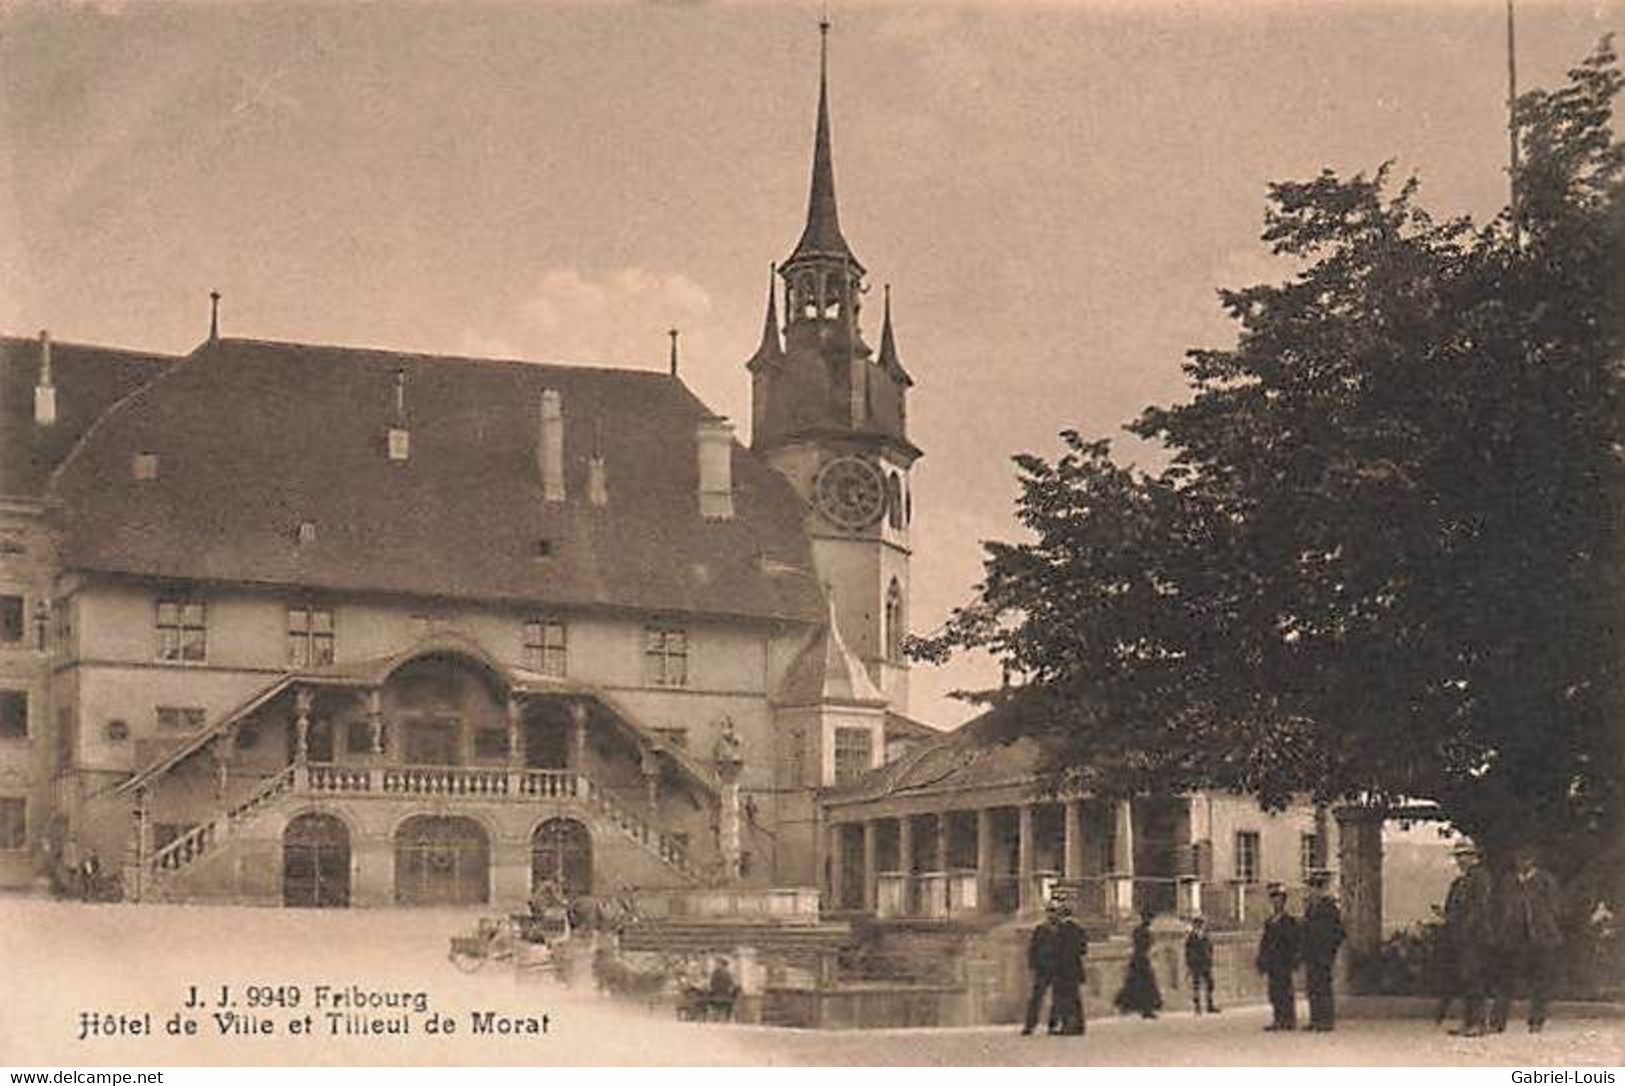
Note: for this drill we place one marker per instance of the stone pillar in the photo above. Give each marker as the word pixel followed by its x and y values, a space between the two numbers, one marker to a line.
pixel 1359 863
pixel 1072 852
pixel 375 720
pixel 905 860
pixel 1121 902
pixel 516 734
pixel 1190 896
pixel 143 843
pixel 1024 858
pixel 578 736
pixel 649 766
pixel 510 873
pixel 730 833
pixel 220 752
pixel 871 860
pixel 834 841
pixel 941 864
pixel 372 870
pixel 984 860
pixel 301 725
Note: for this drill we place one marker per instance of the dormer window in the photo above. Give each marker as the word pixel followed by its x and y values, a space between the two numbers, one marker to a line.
pixel 144 467
pixel 306 532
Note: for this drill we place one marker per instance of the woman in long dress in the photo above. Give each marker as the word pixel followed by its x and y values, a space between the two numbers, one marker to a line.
pixel 1139 994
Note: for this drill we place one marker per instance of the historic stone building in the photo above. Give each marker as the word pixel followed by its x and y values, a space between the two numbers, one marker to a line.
pixel 977 825
pixel 322 626
pixel 293 623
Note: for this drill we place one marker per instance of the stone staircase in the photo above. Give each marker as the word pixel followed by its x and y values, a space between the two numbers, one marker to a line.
pixel 723 936
pixel 167 865
pixel 208 838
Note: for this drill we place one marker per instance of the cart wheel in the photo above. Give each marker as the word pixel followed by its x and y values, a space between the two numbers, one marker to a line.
pixel 466 963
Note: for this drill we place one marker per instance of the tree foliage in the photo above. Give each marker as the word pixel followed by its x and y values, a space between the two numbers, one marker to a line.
pixel 1384 560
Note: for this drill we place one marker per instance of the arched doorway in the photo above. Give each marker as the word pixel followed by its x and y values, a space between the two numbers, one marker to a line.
pixel 316 862
pixel 442 861
pixel 561 850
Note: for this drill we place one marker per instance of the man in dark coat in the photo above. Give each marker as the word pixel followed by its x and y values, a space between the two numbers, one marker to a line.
pixel 1470 927
pixel 1278 951
pixel 1055 956
pixel 1531 936
pixel 1322 937
pixel 1199 962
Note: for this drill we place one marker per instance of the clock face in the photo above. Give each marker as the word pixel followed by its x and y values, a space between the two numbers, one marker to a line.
pixel 850 492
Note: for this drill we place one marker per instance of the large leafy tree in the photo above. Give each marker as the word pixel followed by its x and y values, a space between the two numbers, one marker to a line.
pixel 1383 561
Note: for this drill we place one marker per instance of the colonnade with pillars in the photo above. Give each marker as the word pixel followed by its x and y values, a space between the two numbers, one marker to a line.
pixel 993 860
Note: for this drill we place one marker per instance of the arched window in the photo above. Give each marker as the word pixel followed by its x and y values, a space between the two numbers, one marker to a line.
pixel 896 623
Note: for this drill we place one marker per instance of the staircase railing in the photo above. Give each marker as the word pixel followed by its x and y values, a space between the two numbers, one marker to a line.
pixel 202 838
pixel 408 781
pixel 663 845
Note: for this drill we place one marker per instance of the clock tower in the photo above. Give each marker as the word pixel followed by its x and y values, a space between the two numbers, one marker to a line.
pixel 829 412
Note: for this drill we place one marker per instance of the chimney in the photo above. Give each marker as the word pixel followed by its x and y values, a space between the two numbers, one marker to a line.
pixel 597 485
pixel 714 437
pixel 400 438
pixel 45 391
pixel 550 446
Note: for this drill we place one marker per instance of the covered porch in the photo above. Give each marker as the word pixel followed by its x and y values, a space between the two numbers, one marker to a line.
pixel 991 856
pixel 441 730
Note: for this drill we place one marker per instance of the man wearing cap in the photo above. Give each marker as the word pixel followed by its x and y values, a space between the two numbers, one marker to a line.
pixel 1055 956
pixel 1322 936
pixel 1278 951
pixel 1469 931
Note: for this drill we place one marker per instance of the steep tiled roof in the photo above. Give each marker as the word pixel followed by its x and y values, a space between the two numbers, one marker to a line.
pixel 254 438
pixel 88 381
pixel 1005 745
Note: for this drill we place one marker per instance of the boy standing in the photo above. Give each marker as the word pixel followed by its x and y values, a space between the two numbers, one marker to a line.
pixel 1199 961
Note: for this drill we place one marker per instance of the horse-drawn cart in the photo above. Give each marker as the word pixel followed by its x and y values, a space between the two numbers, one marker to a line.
pixel 531 944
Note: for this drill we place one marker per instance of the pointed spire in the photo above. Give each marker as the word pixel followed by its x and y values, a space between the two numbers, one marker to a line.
pixel 770 349
pixel 888 347
pixel 822 236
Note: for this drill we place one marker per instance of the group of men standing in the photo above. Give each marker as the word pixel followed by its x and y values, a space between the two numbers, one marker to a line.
pixel 1501 933
pixel 1055 958
pixel 1058 946
pixel 1312 941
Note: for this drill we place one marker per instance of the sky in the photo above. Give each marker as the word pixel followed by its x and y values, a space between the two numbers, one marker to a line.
pixel 1054 191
